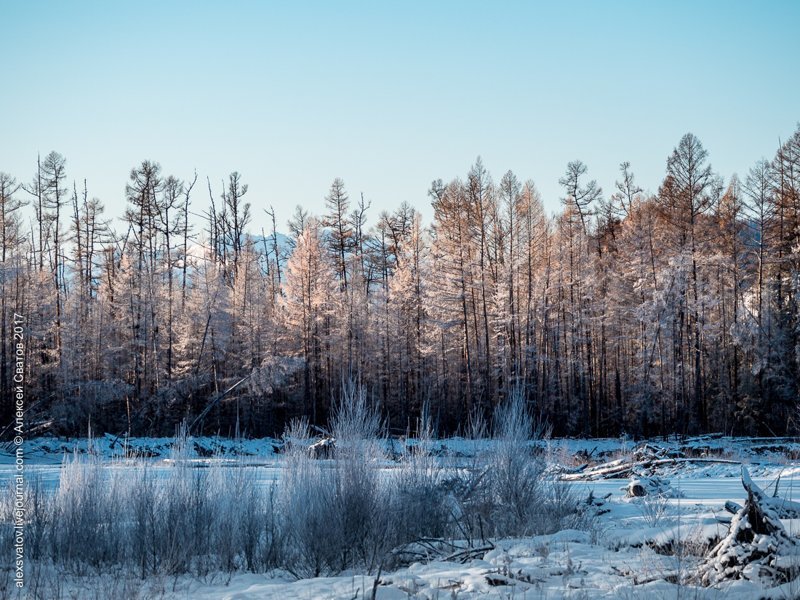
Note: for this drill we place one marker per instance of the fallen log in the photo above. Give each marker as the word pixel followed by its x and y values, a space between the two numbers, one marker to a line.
pixel 620 468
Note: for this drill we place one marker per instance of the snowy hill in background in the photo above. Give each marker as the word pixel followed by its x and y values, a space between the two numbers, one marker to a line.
pixel 262 243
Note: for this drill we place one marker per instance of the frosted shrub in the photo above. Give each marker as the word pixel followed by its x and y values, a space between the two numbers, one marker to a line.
pixel 653 508
pixel 420 505
pixel 559 509
pixel 360 500
pixel 82 519
pixel 355 423
pixel 321 518
pixel 187 514
pixel 507 493
pixel 515 475
pixel 186 520
pixel 360 506
pixel 476 425
pixel 253 519
pixel 213 518
pixel 242 520
pixel 116 519
pixel 80 523
pixel 334 513
pixel 306 508
pixel 38 505
pixel 144 509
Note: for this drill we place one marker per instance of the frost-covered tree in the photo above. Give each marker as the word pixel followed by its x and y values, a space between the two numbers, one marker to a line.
pixel 580 195
pixel 634 313
pixel 689 191
pixel 340 228
pixel 307 309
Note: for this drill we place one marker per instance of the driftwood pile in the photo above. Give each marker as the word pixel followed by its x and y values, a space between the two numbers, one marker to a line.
pixel 757 548
pixel 644 460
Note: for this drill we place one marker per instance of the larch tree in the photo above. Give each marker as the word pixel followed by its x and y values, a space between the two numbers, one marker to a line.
pixel 578 194
pixel 636 313
pixel 54 199
pixel 236 215
pixel 142 192
pixel 690 190
pixel 341 233
pixel 306 306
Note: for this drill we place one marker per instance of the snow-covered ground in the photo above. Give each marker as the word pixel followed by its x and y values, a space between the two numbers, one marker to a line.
pixel 635 547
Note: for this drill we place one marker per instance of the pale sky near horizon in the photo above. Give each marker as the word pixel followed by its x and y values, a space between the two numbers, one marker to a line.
pixel 390 96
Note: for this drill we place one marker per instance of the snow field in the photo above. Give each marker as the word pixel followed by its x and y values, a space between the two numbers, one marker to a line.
pixel 440 521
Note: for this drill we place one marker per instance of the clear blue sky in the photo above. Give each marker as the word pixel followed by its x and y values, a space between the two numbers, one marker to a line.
pixel 390 95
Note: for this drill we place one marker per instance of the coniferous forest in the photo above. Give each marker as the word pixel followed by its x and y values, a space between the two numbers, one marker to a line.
pixel 625 312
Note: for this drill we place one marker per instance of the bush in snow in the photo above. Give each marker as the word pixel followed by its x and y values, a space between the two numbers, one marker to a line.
pixel 322 517
pixel 243 519
pixel 84 524
pixel 420 506
pixel 515 476
pixel 361 499
pixel 334 514
pixel 185 520
pixel 38 515
pixel 505 491
pixel 306 508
